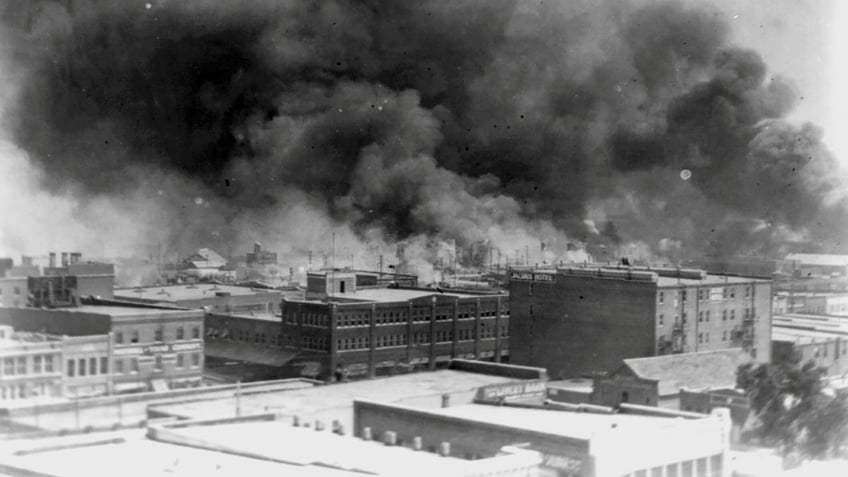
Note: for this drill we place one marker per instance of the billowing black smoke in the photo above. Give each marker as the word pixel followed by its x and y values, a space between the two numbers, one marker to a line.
pixel 464 121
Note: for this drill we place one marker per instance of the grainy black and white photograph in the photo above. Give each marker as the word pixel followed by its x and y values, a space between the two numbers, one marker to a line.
pixel 465 238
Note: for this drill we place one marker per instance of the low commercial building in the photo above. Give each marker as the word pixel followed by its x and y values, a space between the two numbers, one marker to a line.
pixel 213 298
pixel 823 339
pixel 580 321
pixel 245 347
pixel 14 292
pixel 819 264
pixel 343 331
pixel 248 446
pixel 150 349
pixel 584 444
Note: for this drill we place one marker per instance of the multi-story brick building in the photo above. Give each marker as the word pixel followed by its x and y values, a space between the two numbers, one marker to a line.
pixel 149 349
pixel 347 331
pixel 578 321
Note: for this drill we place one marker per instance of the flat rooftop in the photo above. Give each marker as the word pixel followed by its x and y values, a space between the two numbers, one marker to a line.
pixel 794 323
pixel 171 293
pixel 132 454
pixel 126 311
pixel 576 425
pixel 710 280
pixel 305 446
pixel 335 401
pixel 397 294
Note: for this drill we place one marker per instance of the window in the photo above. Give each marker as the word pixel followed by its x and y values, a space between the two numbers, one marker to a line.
pixel 747 292
pixel 92 366
pixel 104 365
pixel 724 335
pixel 723 315
pixel 700 294
pixel 119 337
pixel 530 288
pixel 180 360
pixel 683 295
pixel 82 367
pixel 195 360
pixel 9 366
pixel 700 337
pixel 625 396
pixel 180 333
pixel 732 314
pixel 119 366
pixel 36 364
pixel 708 316
pixel 700 316
pixel 195 333
pixel 733 293
pixel 17 290
pixel 661 319
pixel 48 364
pixel 157 363
pixel 70 368
pixel 134 364
pixel 22 365
pixel 157 334
pixel 134 337
pixel 662 298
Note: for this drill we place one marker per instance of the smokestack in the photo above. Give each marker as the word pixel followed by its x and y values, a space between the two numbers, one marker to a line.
pixel 257 248
pixel 52 262
pixel 64 259
pixel 444 449
pixel 417 443
pixel 76 258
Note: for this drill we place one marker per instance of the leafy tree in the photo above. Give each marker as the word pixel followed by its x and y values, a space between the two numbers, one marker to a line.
pixel 794 410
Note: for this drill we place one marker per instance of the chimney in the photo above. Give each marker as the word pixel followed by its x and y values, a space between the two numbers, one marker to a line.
pixel 64 259
pixel 390 438
pixel 445 400
pixel 417 443
pixel 76 258
pixel 52 262
pixel 366 433
pixel 296 421
pixel 319 425
pixel 257 248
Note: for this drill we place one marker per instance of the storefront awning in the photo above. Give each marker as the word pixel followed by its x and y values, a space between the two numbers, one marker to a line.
pixel 248 353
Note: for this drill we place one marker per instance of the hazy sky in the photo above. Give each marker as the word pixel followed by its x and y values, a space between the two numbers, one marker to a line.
pixel 799 39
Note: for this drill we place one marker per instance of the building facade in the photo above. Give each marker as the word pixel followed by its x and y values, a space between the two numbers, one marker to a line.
pixel 147 349
pixel 355 332
pixel 583 321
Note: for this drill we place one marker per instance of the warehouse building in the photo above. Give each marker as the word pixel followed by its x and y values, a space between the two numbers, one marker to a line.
pixel 582 321
pixel 584 444
pixel 343 331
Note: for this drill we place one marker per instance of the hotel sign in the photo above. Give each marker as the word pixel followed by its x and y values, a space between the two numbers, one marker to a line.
pixel 529 276
pixel 148 350
pixel 508 391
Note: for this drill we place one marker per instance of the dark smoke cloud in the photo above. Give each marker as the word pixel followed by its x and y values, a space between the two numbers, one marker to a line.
pixel 428 122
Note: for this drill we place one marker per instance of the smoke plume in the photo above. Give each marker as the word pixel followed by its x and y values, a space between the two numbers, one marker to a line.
pixel 516 125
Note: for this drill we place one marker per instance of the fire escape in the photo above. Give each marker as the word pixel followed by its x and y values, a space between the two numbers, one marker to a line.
pixel 743 335
pixel 680 328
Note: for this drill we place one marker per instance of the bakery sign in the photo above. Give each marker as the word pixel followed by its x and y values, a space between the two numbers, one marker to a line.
pixel 529 276
pixel 152 349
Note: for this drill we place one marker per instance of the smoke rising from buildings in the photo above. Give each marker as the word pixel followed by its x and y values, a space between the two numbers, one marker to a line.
pixel 211 123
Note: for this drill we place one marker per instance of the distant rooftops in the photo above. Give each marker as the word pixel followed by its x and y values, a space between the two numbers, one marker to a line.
pixel 173 293
pixel 819 259
pixel 800 328
pixel 664 277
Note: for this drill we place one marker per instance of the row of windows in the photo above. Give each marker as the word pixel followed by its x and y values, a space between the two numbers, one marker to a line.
pixel 131 366
pixel 78 367
pixel 317 343
pixel 158 335
pixel 245 336
pixel 704 294
pixel 362 319
pixel 18 366
pixel 822 350
pixel 704 316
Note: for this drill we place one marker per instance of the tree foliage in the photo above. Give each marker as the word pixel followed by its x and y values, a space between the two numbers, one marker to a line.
pixel 794 410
